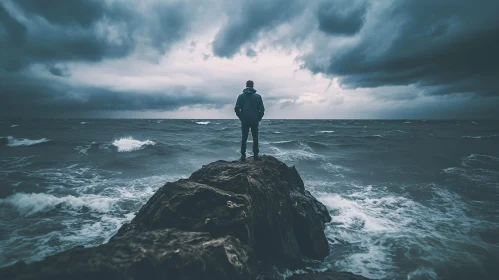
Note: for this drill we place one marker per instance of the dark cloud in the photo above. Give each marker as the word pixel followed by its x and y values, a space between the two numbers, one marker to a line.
pixel 341 16
pixel 85 30
pixel 66 12
pixel 59 70
pixel 441 47
pixel 170 24
pixel 55 33
pixel 23 95
pixel 250 18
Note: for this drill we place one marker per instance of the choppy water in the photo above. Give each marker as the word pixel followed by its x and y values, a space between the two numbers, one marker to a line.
pixel 408 199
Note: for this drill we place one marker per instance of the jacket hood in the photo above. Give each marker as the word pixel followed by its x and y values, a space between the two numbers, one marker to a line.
pixel 249 90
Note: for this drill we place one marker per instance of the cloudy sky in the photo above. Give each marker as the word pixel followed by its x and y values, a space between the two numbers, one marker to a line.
pixel 308 58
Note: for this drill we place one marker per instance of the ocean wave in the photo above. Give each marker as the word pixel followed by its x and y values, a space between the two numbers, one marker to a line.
pixel 302 145
pixel 373 136
pixel 17 142
pixel 203 123
pixel 84 149
pixel 325 131
pixel 334 168
pixel 14 125
pixel 128 144
pixel 477 159
pixel 294 156
pixel 31 203
pixel 374 220
pixel 423 273
pixel 480 137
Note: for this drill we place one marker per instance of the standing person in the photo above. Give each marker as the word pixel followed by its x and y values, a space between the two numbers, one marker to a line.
pixel 249 109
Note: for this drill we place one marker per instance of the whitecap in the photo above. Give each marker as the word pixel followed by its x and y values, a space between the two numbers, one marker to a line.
pixel 480 137
pixel 294 156
pixel 203 123
pixel 32 203
pixel 14 125
pixel 85 148
pixel 334 168
pixel 16 142
pixel 373 221
pixel 423 273
pixel 325 131
pixel 128 144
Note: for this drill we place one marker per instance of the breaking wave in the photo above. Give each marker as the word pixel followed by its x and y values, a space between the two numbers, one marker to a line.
pixel 128 144
pixel 480 137
pixel 31 203
pixel 17 142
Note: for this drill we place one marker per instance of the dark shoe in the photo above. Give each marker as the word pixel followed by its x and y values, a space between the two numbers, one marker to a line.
pixel 243 158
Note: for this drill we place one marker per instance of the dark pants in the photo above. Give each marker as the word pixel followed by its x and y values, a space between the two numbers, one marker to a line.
pixel 245 127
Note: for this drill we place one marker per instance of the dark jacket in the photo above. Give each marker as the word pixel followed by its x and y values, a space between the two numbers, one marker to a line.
pixel 249 106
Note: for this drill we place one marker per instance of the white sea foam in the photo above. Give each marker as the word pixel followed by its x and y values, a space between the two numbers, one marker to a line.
pixel 83 122
pixel 31 203
pixel 128 144
pixel 85 148
pixel 203 123
pixel 480 137
pixel 325 131
pixel 14 125
pixel 17 142
pixel 294 156
pixel 423 273
pixel 477 158
pixel 334 168
pixel 374 221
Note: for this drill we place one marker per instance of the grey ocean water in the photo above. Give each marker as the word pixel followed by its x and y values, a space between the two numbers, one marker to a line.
pixel 408 199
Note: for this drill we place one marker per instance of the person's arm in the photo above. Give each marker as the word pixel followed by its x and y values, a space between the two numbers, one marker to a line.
pixel 238 107
pixel 261 109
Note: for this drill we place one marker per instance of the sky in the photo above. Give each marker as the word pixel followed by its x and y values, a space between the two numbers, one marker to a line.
pixel 325 59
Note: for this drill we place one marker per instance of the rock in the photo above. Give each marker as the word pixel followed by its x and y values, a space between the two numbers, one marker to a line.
pixel 229 220
pixel 160 254
pixel 263 203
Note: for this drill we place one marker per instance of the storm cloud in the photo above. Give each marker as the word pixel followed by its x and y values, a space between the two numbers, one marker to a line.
pixel 443 47
pixel 341 17
pixel 248 19
pixel 423 48
pixel 55 98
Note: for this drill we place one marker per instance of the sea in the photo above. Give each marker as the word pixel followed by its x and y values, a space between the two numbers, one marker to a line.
pixel 409 199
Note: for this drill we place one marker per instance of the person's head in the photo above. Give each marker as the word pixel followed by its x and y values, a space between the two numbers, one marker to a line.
pixel 249 83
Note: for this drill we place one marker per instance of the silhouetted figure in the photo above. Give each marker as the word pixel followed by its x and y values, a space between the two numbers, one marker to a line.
pixel 249 109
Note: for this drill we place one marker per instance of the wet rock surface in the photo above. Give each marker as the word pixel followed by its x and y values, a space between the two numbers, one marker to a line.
pixel 229 220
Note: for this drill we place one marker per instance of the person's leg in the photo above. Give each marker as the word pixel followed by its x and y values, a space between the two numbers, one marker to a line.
pixel 245 131
pixel 254 134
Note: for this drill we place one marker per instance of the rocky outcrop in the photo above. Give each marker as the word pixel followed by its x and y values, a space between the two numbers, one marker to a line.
pixel 159 254
pixel 229 220
pixel 264 204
